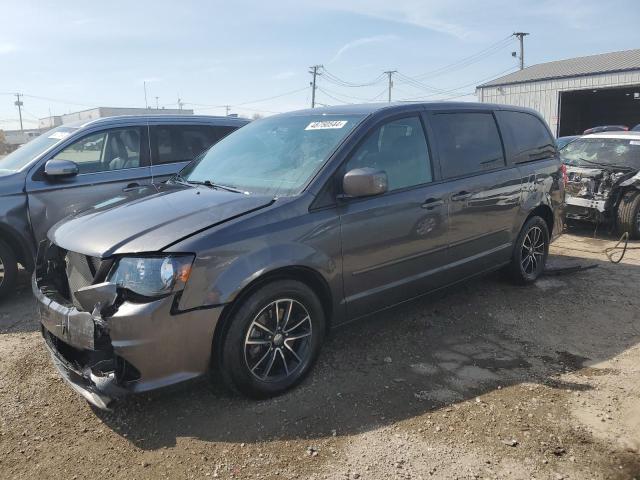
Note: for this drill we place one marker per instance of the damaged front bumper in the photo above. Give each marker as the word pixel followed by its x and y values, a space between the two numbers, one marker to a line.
pixel 135 347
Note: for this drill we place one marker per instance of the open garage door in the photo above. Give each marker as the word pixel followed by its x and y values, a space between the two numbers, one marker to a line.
pixel 582 109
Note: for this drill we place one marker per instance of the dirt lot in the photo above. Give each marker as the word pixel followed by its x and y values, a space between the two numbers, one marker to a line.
pixel 486 380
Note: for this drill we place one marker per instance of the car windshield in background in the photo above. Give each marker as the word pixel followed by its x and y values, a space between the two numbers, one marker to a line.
pixel 22 156
pixel 274 156
pixel 594 152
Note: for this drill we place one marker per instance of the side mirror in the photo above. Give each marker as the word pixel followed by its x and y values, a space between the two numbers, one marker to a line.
pixel 364 182
pixel 61 168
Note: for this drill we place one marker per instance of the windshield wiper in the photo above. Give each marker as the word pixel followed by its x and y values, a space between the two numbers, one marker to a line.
pixel 219 186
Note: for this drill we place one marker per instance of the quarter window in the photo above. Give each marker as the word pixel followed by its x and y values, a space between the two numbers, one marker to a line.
pixel 104 151
pixel 400 149
pixel 529 136
pixel 468 143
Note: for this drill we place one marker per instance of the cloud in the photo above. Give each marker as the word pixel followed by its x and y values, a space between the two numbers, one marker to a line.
pixel 149 80
pixel 284 75
pixel 359 42
pixel 443 17
pixel 83 21
pixel 6 48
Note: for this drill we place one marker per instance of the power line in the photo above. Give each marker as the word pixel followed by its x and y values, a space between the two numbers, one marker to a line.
pixel 469 60
pixel 461 87
pixel 344 83
pixel 205 106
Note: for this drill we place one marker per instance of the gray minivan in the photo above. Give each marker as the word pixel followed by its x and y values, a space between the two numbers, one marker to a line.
pixel 72 167
pixel 289 226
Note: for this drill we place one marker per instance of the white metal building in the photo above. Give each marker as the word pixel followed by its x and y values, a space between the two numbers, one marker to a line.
pixel 100 112
pixel 575 94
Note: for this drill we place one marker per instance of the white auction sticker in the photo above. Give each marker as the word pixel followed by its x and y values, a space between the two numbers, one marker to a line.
pixel 59 135
pixel 326 125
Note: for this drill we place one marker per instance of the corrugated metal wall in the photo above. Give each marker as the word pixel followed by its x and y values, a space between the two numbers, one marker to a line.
pixel 543 95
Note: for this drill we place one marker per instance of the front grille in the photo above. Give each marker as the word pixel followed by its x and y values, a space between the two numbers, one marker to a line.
pixel 62 273
pixel 79 273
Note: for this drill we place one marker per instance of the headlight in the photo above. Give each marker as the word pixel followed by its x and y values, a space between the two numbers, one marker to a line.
pixel 152 276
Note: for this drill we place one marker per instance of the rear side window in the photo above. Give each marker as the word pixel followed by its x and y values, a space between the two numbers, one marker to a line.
pixel 530 138
pixel 181 143
pixel 468 143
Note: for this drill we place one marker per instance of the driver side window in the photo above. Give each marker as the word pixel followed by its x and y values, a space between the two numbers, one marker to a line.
pixel 105 151
pixel 400 149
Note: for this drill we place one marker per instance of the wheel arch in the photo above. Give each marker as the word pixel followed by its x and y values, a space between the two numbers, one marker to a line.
pixel 19 246
pixel 543 211
pixel 306 275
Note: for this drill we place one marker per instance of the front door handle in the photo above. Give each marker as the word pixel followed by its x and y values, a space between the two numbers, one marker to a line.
pixel 131 186
pixel 431 203
pixel 464 195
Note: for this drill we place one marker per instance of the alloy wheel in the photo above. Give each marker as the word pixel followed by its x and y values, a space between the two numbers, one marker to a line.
pixel 278 340
pixel 533 248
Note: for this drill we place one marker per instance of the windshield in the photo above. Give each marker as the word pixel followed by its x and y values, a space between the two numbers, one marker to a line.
pixel 22 156
pixel 274 156
pixel 586 152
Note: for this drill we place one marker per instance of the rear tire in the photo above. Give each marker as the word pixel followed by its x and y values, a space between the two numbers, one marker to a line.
pixel 264 353
pixel 8 269
pixel 629 215
pixel 530 251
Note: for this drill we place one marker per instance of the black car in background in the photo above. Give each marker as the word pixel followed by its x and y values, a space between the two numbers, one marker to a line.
pixel 72 167
pixel 289 226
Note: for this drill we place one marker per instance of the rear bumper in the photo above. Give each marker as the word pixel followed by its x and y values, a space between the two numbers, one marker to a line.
pixel 139 347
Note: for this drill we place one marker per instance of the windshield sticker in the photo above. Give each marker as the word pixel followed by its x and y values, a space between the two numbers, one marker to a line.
pixel 634 142
pixel 326 125
pixel 59 135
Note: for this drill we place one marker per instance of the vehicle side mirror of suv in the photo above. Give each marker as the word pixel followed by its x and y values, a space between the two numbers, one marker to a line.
pixel 61 168
pixel 364 182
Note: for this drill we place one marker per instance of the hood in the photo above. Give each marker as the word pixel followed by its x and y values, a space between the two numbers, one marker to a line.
pixel 11 182
pixel 150 219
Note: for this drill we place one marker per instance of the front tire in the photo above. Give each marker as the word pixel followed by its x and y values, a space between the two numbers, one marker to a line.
pixel 8 269
pixel 273 339
pixel 629 215
pixel 530 251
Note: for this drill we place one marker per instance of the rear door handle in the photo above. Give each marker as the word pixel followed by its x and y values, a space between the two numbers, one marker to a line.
pixel 131 186
pixel 431 203
pixel 464 195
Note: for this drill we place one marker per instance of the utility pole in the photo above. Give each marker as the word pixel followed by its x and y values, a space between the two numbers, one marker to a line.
pixel 520 36
pixel 144 84
pixel 180 104
pixel 157 105
pixel 18 103
pixel 227 109
pixel 314 72
pixel 390 74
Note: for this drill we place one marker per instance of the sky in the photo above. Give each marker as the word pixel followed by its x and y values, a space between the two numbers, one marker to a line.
pixel 255 55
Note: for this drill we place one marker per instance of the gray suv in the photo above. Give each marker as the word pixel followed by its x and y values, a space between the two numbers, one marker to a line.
pixel 72 167
pixel 293 224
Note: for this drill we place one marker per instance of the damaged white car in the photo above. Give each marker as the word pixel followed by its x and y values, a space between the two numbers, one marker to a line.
pixel 603 180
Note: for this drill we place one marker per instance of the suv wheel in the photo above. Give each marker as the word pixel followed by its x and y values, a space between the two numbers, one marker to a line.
pixel 273 339
pixel 629 214
pixel 8 269
pixel 530 251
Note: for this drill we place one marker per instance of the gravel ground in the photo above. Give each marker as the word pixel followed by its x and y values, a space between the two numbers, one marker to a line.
pixel 486 380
